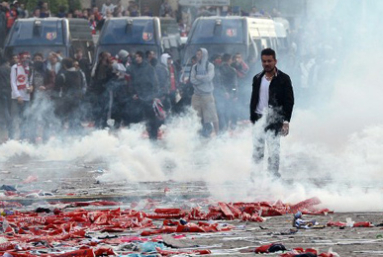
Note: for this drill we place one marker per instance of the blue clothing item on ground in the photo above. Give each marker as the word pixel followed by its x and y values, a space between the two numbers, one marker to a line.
pixel 149 247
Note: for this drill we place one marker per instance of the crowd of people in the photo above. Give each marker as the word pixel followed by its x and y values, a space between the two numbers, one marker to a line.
pixel 185 15
pixel 42 95
pixel 45 95
pixel 10 11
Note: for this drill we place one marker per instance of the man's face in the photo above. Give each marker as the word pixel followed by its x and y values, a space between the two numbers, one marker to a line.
pixel 15 59
pixel 150 55
pixel 199 55
pixel 53 58
pixel 107 58
pixel 138 59
pixel 268 63
pixel 170 61
pixel 37 58
pixel 79 55
pixel 238 58
pixel 24 58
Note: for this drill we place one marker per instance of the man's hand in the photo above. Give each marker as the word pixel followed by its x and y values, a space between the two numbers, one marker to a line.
pixel 20 100
pixel 285 129
pixel 42 88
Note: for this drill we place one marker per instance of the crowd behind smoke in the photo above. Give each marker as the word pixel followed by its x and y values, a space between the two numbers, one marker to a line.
pixel 336 133
pixel 185 15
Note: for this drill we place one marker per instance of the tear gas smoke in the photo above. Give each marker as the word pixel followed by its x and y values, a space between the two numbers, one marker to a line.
pixel 333 151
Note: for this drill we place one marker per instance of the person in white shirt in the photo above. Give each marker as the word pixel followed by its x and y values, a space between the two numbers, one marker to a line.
pixel 21 93
pixel 107 7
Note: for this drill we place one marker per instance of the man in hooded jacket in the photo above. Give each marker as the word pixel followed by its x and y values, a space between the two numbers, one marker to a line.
pixel 202 75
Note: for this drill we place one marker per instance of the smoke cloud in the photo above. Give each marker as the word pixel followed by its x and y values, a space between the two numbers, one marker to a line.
pixel 333 151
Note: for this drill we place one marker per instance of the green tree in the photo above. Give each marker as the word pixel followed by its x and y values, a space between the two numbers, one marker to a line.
pixel 31 5
pixel 53 5
pixel 74 4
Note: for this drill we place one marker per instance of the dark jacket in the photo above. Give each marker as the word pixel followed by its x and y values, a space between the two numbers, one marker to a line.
pixel 3 25
pixel 85 67
pixel 281 97
pixel 69 84
pixel 119 87
pixel 5 80
pixel 144 81
pixel 229 78
pixel 103 73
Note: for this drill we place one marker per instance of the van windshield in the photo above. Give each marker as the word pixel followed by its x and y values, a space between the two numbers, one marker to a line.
pixel 120 32
pixel 220 31
pixel 169 27
pixel 35 32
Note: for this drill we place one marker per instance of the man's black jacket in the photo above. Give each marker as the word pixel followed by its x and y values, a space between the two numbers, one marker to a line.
pixel 281 96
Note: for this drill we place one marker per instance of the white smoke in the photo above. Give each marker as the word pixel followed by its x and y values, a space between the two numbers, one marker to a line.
pixel 333 151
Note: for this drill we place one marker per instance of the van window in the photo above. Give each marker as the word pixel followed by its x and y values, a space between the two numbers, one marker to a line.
pixel 120 32
pixel 169 27
pixel 37 33
pixel 214 32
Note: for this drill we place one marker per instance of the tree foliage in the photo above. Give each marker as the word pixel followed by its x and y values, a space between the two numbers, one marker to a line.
pixel 54 5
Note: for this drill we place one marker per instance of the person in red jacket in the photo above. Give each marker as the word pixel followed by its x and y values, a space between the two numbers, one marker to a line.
pixel 11 16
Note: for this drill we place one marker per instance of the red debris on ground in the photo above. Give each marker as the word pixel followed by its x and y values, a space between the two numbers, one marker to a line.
pixel 23 229
pixel 167 252
pixel 5 204
pixel 30 179
pixel 362 224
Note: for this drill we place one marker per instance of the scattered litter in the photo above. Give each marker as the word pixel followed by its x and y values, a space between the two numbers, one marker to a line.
pixel 350 223
pixel 30 179
pixel 99 170
pixel 286 232
pixel 300 223
pixel 8 188
pixel 42 210
pixel 170 241
pixel 309 252
pixel 270 248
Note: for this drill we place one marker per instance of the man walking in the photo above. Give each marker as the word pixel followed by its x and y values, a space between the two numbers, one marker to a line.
pixel 272 97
